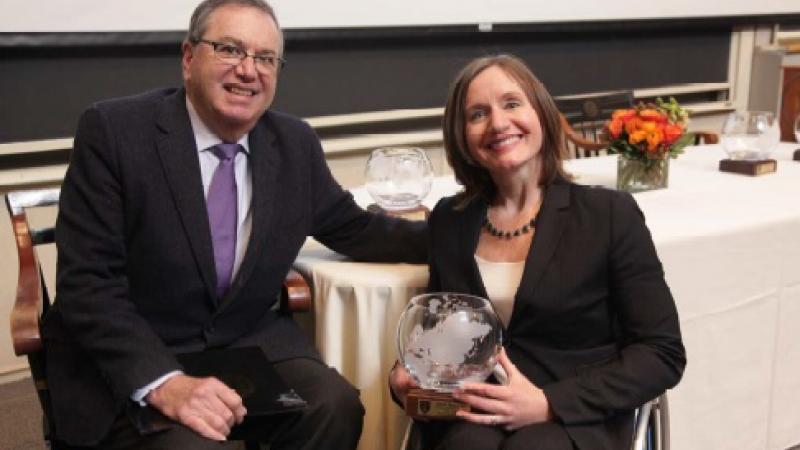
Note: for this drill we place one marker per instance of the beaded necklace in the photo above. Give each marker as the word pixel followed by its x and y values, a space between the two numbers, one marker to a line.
pixel 494 231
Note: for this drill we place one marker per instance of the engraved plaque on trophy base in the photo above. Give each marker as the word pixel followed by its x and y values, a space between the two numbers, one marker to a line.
pixel 417 213
pixel 752 168
pixel 430 404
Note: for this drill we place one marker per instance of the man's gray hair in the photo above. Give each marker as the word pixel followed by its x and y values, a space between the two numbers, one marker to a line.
pixel 199 21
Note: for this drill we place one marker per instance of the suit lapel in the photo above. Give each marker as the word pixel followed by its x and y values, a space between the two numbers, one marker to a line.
pixel 264 163
pixel 178 153
pixel 470 235
pixel 549 227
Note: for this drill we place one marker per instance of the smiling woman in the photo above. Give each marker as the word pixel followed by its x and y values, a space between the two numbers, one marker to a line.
pixel 581 349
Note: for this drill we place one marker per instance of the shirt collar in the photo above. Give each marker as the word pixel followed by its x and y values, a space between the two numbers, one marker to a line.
pixel 204 138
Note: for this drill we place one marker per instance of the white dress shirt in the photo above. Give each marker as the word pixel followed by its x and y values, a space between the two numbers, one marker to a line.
pixel 501 280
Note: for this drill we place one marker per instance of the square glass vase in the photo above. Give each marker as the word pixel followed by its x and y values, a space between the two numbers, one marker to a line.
pixel 635 175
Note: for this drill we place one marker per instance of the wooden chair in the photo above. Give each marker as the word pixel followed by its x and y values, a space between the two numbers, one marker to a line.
pixel 583 118
pixel 705 137
pixel 650 432
pixel 32 299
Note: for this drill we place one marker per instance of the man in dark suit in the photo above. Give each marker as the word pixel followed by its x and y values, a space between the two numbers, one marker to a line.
pixel 154 259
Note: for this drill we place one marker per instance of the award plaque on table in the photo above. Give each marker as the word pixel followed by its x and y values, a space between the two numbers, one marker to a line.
pixel 749 138
pixel 398 179
pixel 443 340
pixel 749 167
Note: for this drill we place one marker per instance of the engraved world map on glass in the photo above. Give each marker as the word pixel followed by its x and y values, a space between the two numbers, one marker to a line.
pixel 446 339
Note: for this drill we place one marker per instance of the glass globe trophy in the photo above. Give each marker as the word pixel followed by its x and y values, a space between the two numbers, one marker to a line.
pixel 749 138
pixel 398 179
pixel 443 340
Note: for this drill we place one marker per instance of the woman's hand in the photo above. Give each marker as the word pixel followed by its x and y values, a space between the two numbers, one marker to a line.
pixel 514 405
pixel 401 381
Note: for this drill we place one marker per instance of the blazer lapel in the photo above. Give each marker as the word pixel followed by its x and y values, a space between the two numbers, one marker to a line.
pixel 178 153
pixel 264 163
pixel 549 227
pixel 470 235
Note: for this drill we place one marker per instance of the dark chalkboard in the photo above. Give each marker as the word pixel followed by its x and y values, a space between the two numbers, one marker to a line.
pixel 47 80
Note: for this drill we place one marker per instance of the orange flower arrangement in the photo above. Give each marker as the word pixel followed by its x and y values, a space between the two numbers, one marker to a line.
pixel 649 131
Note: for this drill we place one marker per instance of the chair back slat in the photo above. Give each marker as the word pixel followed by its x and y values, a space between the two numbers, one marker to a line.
pixel 43 236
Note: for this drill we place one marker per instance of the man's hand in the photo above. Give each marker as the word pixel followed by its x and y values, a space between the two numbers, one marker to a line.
pixel 205 405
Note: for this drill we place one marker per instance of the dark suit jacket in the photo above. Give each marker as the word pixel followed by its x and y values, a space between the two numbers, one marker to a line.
pixel 136 279
pixel 594 323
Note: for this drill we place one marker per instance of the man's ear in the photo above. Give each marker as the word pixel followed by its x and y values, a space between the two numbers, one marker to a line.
pixel 187 50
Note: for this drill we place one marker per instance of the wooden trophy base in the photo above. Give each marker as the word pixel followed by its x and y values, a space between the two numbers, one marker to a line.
pixel 752 168
pixel 430 404
pixel 797 155
pixel 418 213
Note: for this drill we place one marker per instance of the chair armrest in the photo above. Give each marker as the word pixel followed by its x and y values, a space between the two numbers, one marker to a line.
pixel 579 141
pixel 705 137
pixel 28 303
pixel 295 294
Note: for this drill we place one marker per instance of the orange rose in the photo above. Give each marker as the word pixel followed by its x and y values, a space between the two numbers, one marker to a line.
pixel 615 128
pixel 653 115
pixel 654 138
pixel 672 131
pixel 632 125
pixel 648 126
pixel 623 114
pixel 637 136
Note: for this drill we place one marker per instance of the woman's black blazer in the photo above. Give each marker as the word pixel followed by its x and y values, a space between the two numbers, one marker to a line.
pixel 594 324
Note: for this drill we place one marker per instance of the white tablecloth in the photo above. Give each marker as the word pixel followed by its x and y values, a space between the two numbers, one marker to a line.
pixel 730 245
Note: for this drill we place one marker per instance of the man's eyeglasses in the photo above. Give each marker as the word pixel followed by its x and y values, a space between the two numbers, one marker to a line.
pixel 234 55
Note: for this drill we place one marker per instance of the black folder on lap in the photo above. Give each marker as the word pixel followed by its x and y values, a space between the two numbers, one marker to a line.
pixel 247 371
pixel 269 401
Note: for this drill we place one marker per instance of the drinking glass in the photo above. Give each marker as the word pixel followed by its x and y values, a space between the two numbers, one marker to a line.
pixel 750 135
pixel 398 178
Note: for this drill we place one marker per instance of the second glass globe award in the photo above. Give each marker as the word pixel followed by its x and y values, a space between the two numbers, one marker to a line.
pixel 398 179
pixel 749 138
pixel 443 340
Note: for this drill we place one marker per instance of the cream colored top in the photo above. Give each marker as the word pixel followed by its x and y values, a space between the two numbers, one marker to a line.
pixel 501 280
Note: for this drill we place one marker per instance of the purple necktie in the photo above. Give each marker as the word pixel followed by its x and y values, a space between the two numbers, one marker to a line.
pixel 222 214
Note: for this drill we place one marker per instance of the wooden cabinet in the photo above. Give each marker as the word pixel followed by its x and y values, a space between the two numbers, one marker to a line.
pixel 790 102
